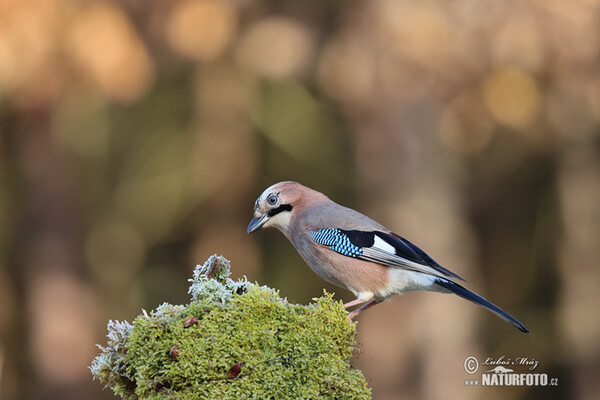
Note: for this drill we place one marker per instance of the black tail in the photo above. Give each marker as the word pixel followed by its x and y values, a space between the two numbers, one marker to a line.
pixel 477 299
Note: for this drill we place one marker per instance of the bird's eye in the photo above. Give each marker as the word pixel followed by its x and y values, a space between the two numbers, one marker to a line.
pixel 272 199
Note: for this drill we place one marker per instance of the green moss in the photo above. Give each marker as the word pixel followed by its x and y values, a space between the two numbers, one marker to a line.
pixel 285 350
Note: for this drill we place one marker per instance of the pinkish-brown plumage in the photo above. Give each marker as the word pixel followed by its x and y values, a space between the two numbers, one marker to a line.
pixel 353 251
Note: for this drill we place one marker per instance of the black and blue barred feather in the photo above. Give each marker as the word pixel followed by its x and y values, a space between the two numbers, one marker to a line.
pixel 337 241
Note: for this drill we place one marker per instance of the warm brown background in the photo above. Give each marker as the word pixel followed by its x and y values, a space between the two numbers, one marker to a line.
pixel 135 136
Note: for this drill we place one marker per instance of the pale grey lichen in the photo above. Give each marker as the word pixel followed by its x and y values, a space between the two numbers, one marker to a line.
pixel 166 312
pixel 110 366
pixel 211 282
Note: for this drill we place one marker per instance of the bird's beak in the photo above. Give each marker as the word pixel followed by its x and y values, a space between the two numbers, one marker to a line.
pixel 257 223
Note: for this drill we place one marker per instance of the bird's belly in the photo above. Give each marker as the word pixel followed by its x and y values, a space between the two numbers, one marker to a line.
pixel 402 280
pixel 353 274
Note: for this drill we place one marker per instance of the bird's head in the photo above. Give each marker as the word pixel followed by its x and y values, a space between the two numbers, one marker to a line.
pixel 274 206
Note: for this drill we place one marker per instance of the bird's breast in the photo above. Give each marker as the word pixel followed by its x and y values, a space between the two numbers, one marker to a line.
pixel 347 272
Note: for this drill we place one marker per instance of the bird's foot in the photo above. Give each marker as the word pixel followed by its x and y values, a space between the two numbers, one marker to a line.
pixel 355 313
pixel 354 302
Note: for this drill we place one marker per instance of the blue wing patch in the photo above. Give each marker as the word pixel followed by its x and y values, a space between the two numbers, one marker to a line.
pixel 337 241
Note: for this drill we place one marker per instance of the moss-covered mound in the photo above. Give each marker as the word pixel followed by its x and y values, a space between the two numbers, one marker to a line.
pixel 235 340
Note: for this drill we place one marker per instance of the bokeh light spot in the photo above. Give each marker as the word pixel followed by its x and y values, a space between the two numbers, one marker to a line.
pixel 107 48
pixel 277 48
pixel 512 97
pixel 201 29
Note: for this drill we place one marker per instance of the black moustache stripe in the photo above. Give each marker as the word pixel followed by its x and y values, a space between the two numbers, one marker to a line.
pixel 281 208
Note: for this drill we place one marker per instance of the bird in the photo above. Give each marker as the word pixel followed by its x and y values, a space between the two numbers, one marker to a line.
pixel 354 252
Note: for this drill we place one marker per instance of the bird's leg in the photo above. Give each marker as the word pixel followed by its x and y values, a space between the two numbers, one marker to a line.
pixel 354 302
pixel 362 308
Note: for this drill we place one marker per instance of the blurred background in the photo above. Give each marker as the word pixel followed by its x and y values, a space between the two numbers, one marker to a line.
pixel 135 136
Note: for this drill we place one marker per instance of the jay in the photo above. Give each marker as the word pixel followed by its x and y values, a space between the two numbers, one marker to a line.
pixel 353 251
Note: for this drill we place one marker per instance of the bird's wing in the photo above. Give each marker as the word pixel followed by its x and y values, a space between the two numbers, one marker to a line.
pixel 381 247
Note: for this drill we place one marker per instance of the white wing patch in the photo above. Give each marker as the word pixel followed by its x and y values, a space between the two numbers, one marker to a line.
pixel 383 246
